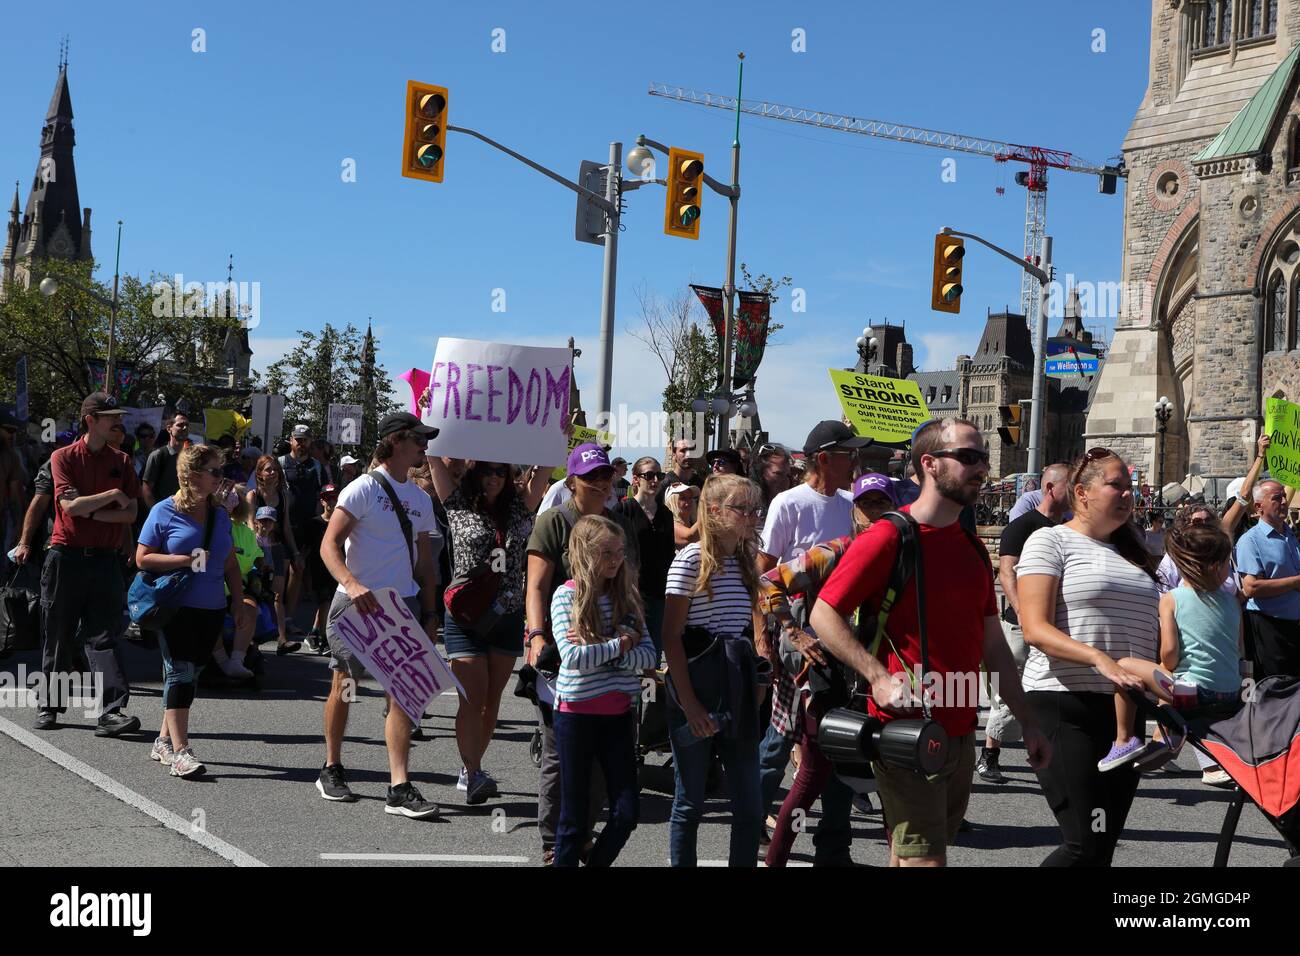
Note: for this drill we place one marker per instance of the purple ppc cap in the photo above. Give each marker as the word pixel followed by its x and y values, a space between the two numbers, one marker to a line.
pixel 874 481
pixel 587 457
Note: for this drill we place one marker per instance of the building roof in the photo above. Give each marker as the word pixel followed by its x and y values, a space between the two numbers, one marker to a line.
pixel 54 187
pixel 938 381
pixel 1249 129
pixel 1006 335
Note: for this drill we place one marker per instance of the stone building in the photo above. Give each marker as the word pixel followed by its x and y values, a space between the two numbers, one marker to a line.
pixel 1213 160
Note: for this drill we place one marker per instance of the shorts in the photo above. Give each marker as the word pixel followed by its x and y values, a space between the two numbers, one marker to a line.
pixel 341 656
pixel 506 637
pixel 277 560
pixel 924 812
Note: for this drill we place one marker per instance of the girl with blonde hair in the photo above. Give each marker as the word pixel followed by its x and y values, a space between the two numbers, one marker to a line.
pixel 711 592
pixel 191 530
pixel 599 678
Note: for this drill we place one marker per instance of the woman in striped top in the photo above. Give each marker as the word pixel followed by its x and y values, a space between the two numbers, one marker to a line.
pixel 713 585
pixel 599 679
pixel 1088 599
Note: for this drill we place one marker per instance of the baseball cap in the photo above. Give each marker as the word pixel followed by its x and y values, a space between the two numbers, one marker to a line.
pixel 7 420
pixel 301 431
pixel 329 491
pixel 347 460
pixel 266 513
pixel 617 461
pixel 874 481
pixel 101 403
pixel 585 458
pixel 401 421
pixel 832 434
pixel 679 487
pixel 728 454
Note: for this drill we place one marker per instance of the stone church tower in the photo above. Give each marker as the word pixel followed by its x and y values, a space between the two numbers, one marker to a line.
pixel 52 223
pixel 1211 267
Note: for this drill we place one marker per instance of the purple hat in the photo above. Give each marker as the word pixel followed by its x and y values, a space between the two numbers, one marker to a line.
pixel 587 457
pixel 874 481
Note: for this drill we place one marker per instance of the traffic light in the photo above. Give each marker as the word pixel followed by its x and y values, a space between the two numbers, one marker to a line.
pixel 426 131
pixel 1010 428
pixel 685 179
pixel 945 293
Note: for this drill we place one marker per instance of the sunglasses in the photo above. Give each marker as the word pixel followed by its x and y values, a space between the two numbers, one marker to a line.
pixel 745 512
pixel 1091 455
pixel 721 464
pixel 966 456
pixel 214 472
pixel 650 475
pixel 600 474
pixel 500 471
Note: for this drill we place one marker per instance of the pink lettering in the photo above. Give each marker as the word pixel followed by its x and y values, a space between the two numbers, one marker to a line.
pixel 494 391
pixel 514 396
pixel 533 398
pixel 470 390
pixel 453 388
pixel 557 393
pixel 434 384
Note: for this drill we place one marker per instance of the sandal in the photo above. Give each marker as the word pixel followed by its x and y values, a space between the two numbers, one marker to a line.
pixel 288 647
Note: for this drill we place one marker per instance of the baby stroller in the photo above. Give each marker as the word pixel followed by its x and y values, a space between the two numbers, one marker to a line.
pixel 1258 746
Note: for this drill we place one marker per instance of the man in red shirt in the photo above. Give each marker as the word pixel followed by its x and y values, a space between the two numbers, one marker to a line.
pixel 924 812
pixel 82 593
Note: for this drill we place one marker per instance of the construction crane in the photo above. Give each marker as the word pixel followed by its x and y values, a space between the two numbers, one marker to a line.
pixel 1034 179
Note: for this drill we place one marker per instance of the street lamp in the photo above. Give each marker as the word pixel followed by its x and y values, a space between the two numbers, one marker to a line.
pixel 1163 409
pixel 867 347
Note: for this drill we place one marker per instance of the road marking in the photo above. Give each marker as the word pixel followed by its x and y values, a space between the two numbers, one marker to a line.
pixel 724 863
pixel 128 796
pixel 427 857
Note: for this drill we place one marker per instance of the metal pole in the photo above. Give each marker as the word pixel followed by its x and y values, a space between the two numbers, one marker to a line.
pixel 723 437
pixel 607 289
pixel 109 379
pixel 1040 367
pixel 1160 492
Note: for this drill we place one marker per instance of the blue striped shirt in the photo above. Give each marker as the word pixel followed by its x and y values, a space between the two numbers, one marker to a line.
pixel 589 670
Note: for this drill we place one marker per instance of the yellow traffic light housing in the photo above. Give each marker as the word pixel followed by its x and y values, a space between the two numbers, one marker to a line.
pixel 685 180
pixel 426 131
pixel 945 292
pixel 1012 417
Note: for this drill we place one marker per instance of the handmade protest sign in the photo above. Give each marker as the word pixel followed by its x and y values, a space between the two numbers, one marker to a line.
pixel 135 417
pixel 1282 425
pixel 497 402
pixel 343 425
pixel 394 648
pixel 885 409
pixel 581 435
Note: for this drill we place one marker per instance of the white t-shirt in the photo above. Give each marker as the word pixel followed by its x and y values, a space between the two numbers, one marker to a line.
pixel 1102 601
pixel 802 517
pixel 558 494
pixel 375 551
pixel 729 611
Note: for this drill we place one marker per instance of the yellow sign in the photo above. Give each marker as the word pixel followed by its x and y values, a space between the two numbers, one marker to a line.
pixel 1282 424
pixel 886 409
pixel 222 421
pixel 581 435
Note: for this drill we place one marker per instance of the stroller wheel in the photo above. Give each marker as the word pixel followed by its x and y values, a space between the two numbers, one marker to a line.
pixel 535 748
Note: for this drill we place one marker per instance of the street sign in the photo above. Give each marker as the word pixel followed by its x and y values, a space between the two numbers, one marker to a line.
pixel 20 389
pixel 1066 359
pixel 590 222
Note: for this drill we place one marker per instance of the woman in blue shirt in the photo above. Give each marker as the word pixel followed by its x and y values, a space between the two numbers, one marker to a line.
pixel 172 538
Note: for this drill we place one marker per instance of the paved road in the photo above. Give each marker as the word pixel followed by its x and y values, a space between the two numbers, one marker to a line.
pixel 263 752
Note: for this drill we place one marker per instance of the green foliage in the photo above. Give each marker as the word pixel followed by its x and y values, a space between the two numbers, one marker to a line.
pixel 765 283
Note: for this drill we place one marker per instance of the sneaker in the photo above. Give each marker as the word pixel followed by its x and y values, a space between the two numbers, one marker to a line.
pixel 162 751
pixel 47 720
pixel 116 724
pixel 462 782
pixel 862 803
pixel 185 764
pixel 404 800
pixel 1216 778
pixel 1119 756
pixel 479 788
pixel 1159 754
pixel 987 767
pixel 288 647
pixel 548 857
pixel 331 786
pixel 234 670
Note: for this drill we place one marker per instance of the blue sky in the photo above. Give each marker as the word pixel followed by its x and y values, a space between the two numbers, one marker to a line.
pixel 240 150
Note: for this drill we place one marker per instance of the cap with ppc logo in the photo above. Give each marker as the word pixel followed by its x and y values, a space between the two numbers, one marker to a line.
pixel 101 403
pixel 587 457
pixel 266 513
pixel 874 481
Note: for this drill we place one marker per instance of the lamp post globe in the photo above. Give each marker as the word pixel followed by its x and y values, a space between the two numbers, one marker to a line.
pixel 49 286
pixel 640 161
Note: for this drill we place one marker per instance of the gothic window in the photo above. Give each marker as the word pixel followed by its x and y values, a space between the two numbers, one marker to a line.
pixel 1260 19
pixel 947 394
pixel 1215 26
pixel 1292 325
pixel 1293 147
pixel 1275 335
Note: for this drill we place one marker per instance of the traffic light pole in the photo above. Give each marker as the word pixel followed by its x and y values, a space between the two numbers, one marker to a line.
pixel 1044 277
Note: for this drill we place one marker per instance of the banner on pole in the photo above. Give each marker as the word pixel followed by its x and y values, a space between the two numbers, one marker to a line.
pixel 393 647
pixel 344 425
pixel 711 299
pixel 751 335
pixel 493 401
pixel 1282 425
pixel 884 409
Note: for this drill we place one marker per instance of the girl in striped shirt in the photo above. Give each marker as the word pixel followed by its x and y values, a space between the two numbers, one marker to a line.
pixel 599 679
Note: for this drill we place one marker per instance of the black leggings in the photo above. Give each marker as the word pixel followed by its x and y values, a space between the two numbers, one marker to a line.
pixel 1090 806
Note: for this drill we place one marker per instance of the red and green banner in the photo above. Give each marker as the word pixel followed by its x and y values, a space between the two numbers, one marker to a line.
pixel 751 335
pixel 711 299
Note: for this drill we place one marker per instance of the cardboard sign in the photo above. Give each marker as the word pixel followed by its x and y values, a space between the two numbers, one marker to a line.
pixel 343 426
pixel 885 409
pixel 492 401
pixel 136 417
pixel 394 648
pixel 1282 424
pixel 581 435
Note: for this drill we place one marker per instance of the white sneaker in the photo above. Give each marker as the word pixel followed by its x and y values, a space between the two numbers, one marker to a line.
pixel 162 751
pixel 1216 778
pixel 463 783
pixel 185 764
pixel 234 669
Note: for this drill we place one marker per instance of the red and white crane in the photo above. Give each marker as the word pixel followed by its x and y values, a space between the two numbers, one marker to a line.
pixel 1038 158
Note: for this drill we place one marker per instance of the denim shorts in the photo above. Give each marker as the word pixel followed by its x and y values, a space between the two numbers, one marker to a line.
pixel 506 637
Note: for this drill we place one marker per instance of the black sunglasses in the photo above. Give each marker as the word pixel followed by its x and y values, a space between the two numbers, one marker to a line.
pixel 967 456
pixel 650 475
pixel 214 472
pixel 1091 455
pixel 500 471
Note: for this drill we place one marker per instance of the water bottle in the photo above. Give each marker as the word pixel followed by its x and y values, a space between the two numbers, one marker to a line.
pixel 684 737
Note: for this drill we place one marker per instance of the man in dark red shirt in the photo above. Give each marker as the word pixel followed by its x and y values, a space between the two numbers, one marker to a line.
pixel 962 626
pixel 82 593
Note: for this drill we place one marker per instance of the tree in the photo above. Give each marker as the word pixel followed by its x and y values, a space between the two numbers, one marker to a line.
pixel 172 341
pixel 331 367
pixel 687 350
pixel 765 283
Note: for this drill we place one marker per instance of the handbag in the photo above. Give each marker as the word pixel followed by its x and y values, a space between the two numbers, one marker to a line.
pixel 471 598
pixel 20 610
pixel 153 599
